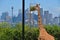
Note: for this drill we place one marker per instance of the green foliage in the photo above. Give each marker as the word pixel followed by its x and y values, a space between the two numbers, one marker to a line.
pixel 15 33
pixel 32 8
pixel 54 30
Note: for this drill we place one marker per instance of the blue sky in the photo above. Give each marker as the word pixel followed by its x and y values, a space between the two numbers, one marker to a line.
pixel 52 5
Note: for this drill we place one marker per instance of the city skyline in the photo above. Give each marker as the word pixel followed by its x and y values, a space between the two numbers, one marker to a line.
pixel 46 18
pixel 5 5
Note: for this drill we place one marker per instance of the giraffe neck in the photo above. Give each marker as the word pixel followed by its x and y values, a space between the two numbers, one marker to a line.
pixel 40 25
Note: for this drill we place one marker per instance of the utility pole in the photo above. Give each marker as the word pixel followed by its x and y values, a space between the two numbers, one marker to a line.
pixel 23 38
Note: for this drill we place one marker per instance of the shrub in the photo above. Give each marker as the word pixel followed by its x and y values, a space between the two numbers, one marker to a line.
pixel 15 33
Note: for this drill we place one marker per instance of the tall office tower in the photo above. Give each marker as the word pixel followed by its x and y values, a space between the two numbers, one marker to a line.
pixel 35 19
pixel 59 19
pixel 26 14
pixel 29 19
pixel 41 12
pixel 50 19
pixel 4 16
pixel 56 20
pixel 46 17
pixel 19 17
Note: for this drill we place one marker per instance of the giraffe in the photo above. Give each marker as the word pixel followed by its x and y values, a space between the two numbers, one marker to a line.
pixel 43 35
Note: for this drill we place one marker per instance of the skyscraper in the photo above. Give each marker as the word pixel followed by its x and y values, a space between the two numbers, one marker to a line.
pixel 59 19
pixel 46 17
pixel 19 17
pixel 26 13
pixel 56 20
pixel 50 18
pixel 4 16
pixel 41 13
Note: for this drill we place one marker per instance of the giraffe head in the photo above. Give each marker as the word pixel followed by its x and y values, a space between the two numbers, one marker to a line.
pixel 37 7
